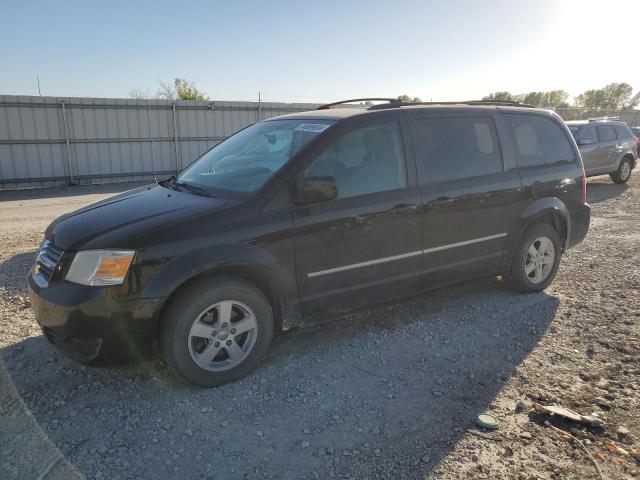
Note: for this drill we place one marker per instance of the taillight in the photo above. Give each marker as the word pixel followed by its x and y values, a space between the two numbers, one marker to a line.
pixel 584 186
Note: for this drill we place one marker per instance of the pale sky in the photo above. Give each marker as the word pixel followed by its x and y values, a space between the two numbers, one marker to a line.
pixel 322 50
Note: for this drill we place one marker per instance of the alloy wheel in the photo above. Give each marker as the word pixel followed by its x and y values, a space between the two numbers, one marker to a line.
pixel 222 336
pixel 539 261
pixel 625 170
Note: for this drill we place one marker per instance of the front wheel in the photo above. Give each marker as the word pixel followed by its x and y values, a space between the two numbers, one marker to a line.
pixel 536 259
pixel 623 173
pixel 217 330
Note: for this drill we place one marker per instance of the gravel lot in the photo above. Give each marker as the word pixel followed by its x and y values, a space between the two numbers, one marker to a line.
pixel 387 393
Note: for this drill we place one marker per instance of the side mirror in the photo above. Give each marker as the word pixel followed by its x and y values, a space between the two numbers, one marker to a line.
pixel 315 188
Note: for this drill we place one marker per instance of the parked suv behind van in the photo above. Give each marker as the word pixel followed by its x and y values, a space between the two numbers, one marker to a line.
pixel 306 216
pixel 606 146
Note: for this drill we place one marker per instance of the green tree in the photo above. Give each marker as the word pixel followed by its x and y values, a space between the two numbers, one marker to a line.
pixel 499 96
pixel 613 96
pixel 181 89
pixel 552 99
pixel 408 99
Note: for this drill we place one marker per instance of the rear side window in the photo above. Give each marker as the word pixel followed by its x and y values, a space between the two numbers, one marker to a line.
pixel 622 131
pixel 606 133
pixel 538 140
pixel 453 148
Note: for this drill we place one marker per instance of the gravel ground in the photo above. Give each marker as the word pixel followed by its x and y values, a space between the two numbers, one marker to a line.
pixel 387 393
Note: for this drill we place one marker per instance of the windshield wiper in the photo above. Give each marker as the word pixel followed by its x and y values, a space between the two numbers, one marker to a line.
pixel 191 188
pixel 168 182
pixel 173 184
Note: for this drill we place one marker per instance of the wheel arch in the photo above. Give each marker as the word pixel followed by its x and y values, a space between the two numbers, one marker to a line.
pixel 249 263
pixel 551 211
pixel 627 154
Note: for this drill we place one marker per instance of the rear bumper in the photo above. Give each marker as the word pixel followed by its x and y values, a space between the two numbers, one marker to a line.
pixel 580 219
pixel 85 322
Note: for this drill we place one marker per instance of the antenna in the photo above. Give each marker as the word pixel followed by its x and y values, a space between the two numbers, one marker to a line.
pixel 38 80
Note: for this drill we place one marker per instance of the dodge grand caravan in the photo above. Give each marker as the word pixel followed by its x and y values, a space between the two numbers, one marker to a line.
pixel 306 216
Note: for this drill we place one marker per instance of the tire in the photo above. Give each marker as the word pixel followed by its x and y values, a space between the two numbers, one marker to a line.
pixel 623 173
pixel 520 277
pixel 198 335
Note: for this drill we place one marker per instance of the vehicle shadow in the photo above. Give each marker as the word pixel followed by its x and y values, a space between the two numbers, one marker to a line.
pixel 601 189
pixel 68 191
pixel 13 272
pixel 392 388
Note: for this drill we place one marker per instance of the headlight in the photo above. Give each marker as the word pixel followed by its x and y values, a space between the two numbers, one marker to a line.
pixel 100 267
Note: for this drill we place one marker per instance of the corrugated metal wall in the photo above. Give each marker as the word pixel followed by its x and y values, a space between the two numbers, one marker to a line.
pixel 47 141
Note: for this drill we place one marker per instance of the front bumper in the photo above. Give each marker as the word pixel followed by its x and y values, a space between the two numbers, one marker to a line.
pixel 580 219
pixel 87 322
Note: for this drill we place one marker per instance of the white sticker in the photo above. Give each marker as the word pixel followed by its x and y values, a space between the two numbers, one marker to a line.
pixel 312 127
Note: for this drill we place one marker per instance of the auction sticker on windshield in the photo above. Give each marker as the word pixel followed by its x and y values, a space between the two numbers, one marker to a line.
pixel 312 127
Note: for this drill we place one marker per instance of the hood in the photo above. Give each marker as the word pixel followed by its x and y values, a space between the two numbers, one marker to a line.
pixel 110 222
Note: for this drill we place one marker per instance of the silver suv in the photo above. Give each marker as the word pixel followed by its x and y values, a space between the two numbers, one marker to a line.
pixel 607 146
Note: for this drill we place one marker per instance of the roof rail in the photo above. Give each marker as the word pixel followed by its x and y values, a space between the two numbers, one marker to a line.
pixel 327 106
pixel 600 119
pixel 394 102
pixel 465 102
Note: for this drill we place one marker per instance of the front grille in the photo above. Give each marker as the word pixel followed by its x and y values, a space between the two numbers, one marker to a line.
pixel 47 260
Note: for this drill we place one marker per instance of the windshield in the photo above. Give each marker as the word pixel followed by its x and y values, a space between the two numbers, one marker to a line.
pixel 246 160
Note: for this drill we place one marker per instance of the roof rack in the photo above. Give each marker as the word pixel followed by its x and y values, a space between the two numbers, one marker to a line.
pixel 600 119
pixel 394 102
pixel 510 103
pixel 327 106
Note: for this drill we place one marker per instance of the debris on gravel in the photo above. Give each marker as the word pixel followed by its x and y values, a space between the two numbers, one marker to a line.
pixel 391 395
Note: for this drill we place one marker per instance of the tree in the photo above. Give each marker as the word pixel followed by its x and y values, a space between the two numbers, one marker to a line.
pixel 181 89
pixel 408 99
pixel 138 94
pixel 613 96
pixel 552 99
pixel 498 96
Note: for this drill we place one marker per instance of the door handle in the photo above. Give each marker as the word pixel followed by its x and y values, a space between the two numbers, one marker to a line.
pixel 404 208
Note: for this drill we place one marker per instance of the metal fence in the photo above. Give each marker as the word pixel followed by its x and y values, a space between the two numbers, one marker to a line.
pixel 632 117
pixel 49 141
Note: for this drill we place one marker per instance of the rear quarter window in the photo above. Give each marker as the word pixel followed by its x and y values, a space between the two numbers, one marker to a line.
pixel 606 133
pixel 622 131
pixel 538 140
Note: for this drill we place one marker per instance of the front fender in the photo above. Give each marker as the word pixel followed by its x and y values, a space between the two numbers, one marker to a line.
pixel 189 265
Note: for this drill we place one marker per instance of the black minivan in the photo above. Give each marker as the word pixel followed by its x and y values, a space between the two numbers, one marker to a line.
pixel 305 216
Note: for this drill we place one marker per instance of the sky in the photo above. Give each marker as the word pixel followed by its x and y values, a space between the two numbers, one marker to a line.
pixel 318 50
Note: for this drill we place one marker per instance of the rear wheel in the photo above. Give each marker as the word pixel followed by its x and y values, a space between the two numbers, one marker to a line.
pixel 216 331
pixel 623 173
pixel 536 259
